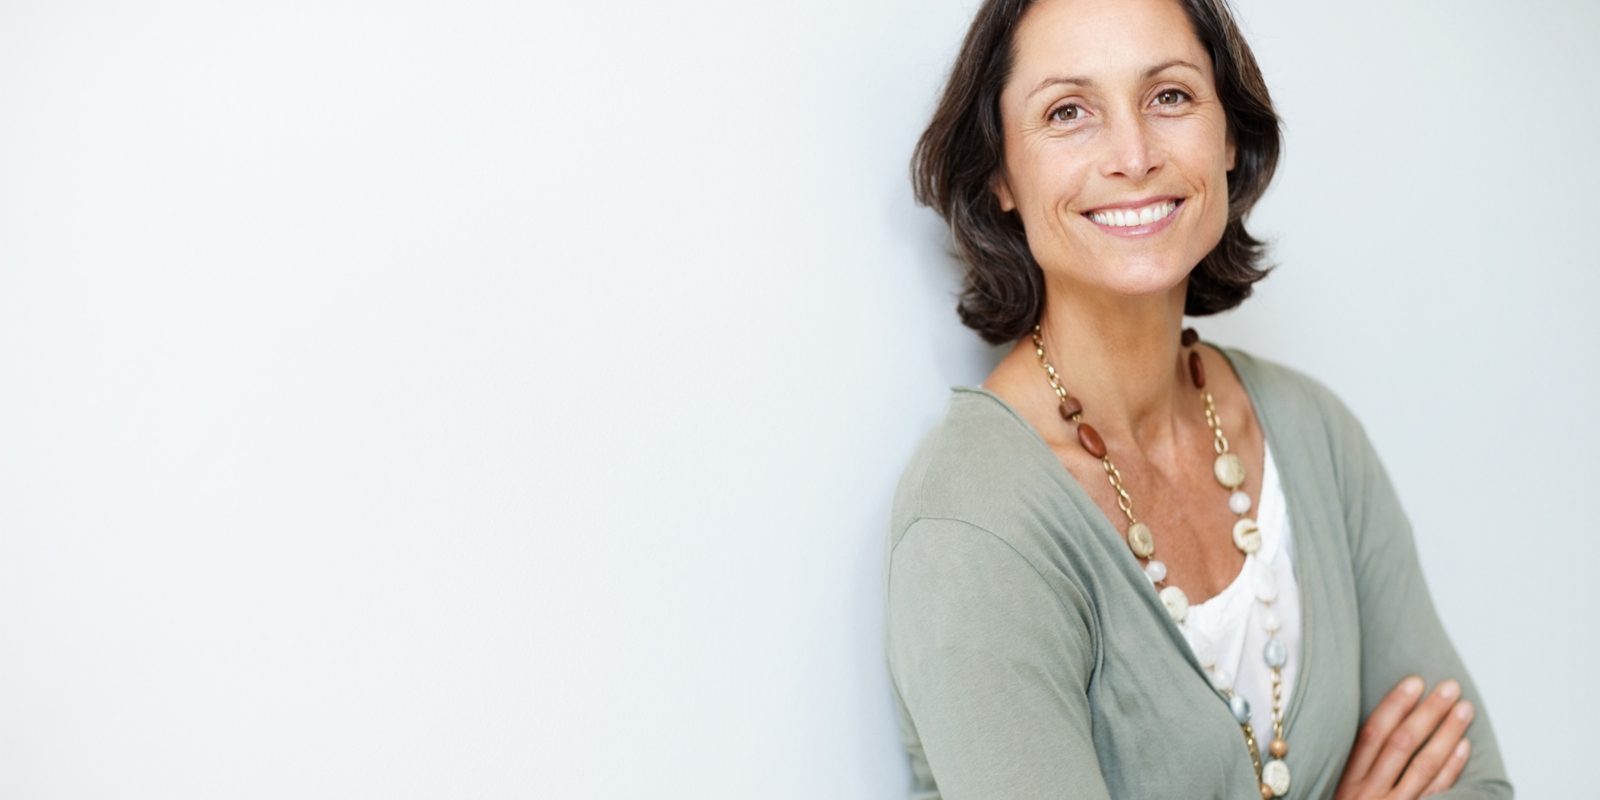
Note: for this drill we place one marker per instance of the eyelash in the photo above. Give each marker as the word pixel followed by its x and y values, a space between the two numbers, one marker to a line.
pixel 1052 115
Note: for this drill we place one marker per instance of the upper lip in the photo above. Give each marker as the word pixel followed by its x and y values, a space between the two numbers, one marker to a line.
pixel 1135 203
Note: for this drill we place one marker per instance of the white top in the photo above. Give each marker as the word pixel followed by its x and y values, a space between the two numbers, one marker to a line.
pixel 1228 628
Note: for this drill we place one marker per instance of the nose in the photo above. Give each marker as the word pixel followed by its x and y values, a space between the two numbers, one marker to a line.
pixel 1132 149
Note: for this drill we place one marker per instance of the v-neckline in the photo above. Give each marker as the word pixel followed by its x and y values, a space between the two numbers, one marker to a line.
pixel 1271 432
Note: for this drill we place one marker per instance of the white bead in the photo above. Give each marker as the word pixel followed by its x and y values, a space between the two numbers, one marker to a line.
pixel 1222 680
pixel 1266 585
pixel 1176 601
pixel 1275 774
pixel 1271 622
pixel 1156 571
pixel 1239 502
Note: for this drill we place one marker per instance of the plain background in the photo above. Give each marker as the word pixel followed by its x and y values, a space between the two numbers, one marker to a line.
pixel 484 399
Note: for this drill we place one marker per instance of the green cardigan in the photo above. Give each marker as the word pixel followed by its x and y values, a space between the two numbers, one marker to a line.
pixel 1031 658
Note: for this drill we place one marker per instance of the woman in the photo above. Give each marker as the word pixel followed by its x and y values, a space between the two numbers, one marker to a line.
pixel 1132 564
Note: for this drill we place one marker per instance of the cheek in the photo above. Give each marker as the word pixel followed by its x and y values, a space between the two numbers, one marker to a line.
pixel 1057 179
pixel 1216 220
pixel 1207 166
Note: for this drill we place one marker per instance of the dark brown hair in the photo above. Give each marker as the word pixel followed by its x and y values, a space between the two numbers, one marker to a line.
pixel 957 156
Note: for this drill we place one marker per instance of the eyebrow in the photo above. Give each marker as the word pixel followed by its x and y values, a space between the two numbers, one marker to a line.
pixel 1089 82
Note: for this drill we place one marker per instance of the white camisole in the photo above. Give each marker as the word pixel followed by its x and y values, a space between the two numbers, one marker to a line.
pixel 1227 628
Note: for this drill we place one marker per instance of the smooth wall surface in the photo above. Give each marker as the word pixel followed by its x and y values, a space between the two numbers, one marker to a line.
pixel 487 399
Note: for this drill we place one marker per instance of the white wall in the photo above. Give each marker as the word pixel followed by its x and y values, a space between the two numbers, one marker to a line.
pixel 479 399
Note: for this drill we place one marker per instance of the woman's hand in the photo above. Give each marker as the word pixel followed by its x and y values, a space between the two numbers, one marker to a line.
pixel 1395 756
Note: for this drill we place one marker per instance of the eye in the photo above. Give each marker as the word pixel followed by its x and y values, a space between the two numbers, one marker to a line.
pixel 1056 114
pixel 1171 97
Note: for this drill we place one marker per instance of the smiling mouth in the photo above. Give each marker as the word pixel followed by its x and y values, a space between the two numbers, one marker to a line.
pixel 1134 217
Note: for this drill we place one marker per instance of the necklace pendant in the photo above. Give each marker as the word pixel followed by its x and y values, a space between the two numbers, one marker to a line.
pixel 1229 470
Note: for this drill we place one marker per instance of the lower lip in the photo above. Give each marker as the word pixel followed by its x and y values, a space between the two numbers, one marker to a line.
pixel 1139 230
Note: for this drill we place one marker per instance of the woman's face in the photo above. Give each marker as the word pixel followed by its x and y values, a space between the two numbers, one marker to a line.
pixel 1111 105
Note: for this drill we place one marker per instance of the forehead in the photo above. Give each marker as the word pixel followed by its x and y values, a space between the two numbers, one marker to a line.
pixel 1102 39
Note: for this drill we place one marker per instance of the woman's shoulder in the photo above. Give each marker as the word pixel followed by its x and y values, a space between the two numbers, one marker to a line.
pixel 1299 405
pixel 1306 398
pixel 983 498
pixel 981 464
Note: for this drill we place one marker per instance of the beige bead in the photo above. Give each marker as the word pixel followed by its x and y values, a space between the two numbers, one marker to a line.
pixel 1267 793
pixel 1275 774
pixel 1246 536
pixel 1140 540
pixel 1229 470
pixel 1279 748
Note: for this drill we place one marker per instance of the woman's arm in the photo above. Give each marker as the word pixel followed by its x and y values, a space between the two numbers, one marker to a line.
pixel 1401 633
pixel 992 663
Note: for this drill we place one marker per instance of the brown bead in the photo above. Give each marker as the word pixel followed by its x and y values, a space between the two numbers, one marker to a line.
pixel 1070 407
pixel 1197 370
pixel 1190 336
pixel 1091 440
pixel 1267 793
pixel 1279 748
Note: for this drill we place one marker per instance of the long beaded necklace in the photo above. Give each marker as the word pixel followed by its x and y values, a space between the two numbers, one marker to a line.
pixel 1230 473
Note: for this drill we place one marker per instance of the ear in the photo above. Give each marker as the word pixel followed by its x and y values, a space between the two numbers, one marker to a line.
pixel 1002 192
pixel 1232 151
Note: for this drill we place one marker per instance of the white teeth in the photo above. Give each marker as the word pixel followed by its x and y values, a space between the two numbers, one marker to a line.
pixel 1127 218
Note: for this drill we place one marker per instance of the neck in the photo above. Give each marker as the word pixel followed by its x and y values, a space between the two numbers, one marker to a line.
pixel 1120 357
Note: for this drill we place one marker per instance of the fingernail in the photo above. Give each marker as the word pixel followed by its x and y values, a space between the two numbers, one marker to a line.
pixel 1412 686
pixel 1450 690
pixel 1461 749
pixel 1464 710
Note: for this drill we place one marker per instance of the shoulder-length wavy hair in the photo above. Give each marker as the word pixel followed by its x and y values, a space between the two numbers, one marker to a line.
pixel 957 157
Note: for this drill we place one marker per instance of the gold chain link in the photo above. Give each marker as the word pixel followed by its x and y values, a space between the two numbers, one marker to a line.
pixel 1255 750
pixel 1218 441
pixel 1055 383
pixel 1124 502
pixel 1277 702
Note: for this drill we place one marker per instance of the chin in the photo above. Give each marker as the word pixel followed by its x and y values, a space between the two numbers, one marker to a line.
pixel 1145 278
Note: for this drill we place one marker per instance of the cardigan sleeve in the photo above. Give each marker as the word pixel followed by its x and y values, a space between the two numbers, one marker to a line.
pixel 992 662
pixel 1401 633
